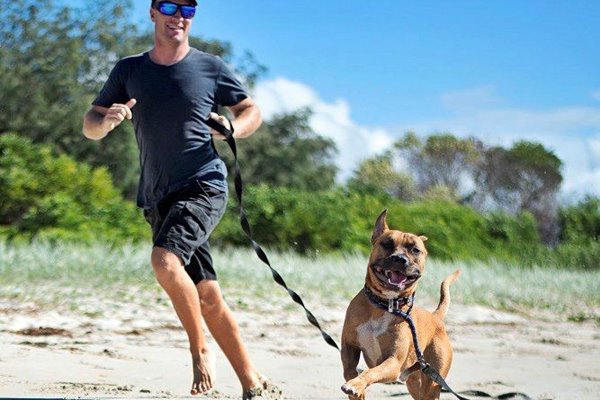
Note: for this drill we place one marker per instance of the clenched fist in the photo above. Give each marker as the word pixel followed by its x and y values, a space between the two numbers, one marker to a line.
pixel 223 121
pixel 117 113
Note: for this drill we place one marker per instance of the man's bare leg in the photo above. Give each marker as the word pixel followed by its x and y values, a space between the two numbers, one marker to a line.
pixel 224 329
pixel 171 275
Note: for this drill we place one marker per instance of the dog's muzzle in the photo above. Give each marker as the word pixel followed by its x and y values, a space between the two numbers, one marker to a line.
pixel 396 271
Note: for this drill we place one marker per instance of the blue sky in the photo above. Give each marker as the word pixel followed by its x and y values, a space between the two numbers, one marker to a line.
pixel 500 71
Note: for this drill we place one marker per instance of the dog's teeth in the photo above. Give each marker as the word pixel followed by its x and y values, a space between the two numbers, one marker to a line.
pixel 388 273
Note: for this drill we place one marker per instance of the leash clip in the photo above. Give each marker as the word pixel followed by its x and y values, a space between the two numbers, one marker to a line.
pixel 394 305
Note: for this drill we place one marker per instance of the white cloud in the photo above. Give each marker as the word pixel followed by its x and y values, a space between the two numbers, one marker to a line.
pixel 330 119
pixel 281 95
pixel 573 133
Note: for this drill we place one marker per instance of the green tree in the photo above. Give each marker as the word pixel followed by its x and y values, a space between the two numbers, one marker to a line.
pixel 525 177
pixel 285 151
pixel 378 175
pixel 53 59
pixel 441 161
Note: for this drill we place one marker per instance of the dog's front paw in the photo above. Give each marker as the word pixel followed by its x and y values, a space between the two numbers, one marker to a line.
pixel 349 390
pixel 354 389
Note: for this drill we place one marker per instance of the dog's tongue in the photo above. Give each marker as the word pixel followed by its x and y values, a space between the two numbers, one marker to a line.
pixel 396 278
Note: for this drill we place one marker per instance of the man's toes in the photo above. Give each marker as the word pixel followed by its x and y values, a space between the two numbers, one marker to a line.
pixel 202 387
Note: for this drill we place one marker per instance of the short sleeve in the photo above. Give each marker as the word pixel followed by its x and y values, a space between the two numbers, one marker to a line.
pixel 230 90
pixel 114 90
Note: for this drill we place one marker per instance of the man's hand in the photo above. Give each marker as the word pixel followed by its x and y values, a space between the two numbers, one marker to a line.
pixel 223 121
pixel 116 114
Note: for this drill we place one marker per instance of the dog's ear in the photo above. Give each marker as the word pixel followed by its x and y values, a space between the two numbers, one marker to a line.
pixel 380 226
pixel 423 238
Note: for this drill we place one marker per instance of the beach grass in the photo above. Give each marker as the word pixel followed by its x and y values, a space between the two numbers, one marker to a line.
pixel 62 275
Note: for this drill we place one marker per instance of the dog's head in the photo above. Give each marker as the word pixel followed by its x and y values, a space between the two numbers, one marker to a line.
pixel 397 260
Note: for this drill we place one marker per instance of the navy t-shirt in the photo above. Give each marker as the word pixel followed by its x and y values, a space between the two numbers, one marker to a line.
pixel 172 101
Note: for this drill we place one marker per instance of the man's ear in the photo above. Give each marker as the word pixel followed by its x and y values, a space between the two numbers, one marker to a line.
pixel 380 226
pixel 152 11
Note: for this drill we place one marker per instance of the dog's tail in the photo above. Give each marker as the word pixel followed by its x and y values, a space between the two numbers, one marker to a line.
pixel 442 307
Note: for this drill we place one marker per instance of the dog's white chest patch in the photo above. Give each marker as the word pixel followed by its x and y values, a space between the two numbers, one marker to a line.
pixel 368 334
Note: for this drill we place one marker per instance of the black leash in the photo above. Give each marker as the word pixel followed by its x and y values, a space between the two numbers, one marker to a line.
pixel 246 228
pixel 394 306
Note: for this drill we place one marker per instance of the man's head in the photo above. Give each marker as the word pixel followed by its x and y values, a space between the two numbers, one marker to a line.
pixel 172 19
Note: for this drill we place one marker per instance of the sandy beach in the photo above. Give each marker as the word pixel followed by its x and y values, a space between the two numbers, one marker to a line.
pixel 120 350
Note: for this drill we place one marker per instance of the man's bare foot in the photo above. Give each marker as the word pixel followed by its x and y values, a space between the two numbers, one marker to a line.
pixel 204 372
pixel 265 390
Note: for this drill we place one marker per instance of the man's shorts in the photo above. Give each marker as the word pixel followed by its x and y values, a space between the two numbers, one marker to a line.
pixel 182 223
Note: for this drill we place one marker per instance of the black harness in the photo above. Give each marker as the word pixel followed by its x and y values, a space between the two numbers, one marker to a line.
pixel 394 306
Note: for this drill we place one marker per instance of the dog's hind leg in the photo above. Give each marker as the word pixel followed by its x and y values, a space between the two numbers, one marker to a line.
pixel 439 355
pixel 429 389
pixel 421 387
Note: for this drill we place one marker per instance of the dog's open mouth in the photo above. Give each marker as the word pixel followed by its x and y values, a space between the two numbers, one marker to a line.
pixel 393 278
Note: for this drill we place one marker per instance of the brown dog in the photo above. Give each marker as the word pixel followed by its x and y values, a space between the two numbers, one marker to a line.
pixel 397 262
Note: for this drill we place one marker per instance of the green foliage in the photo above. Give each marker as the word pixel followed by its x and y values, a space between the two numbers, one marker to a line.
pixel 582 254
pixel 377 175
pixel 581 220
pixel 53 60
pixel 286 218
pixel 342 221
pixel 507 229
pixel 285 151
pixel 54 197
pixel 580 233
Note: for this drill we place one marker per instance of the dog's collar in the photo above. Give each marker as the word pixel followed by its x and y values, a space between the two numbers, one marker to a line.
pixel 391 305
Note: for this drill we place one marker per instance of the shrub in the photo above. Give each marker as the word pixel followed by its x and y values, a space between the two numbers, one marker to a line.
pixel 54 197
pixel 581 221
pixel 580 231
pixel 342 221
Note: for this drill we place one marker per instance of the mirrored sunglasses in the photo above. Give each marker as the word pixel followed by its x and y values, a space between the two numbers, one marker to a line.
pixel 168 8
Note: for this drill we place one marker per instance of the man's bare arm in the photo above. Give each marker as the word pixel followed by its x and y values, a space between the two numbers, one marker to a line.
pixel 247 119
pixel 99 121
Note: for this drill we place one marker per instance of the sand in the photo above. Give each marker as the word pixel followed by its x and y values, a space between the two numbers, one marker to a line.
pixel 119 350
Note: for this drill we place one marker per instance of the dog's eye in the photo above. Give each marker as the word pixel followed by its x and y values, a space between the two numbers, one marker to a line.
pixel 387 244
pixel 415 250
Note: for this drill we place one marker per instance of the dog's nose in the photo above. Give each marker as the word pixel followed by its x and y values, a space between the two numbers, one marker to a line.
pixel 399 258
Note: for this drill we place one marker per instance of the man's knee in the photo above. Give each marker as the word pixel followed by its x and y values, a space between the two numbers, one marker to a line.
pixel 165 263
pixel 211 299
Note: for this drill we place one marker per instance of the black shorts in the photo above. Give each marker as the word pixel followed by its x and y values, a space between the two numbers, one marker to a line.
pixel 182 223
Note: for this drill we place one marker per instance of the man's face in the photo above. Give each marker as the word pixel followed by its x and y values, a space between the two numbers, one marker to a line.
pixel 171 27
